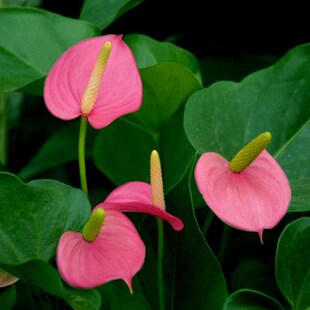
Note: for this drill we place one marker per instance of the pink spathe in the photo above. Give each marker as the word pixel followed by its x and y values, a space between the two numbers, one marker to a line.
pixel 252 200
pixel 120 89
pixel 137 197
pixel 117 253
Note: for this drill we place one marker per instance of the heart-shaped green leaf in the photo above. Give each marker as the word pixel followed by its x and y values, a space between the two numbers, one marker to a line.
pixel 225 116
pixel 166 87
pixel 35 215
pixel 149 52
pixel 251 300
pixel 158 125
pixel 31 41
pixel 292 263
pixel 103 13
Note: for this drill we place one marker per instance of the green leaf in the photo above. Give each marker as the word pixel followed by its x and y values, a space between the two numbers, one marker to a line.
pixel 116 296
pixel 7 298
pixel 83 299
pixel 255 275
pixel 251 300
pixel 34 3
pixel 294 158
pixel 41 275
pixel 225 116
pixel 157 125
pixel 166 87
pixel 32 40
pixel 129 157
pixel 149 52
pixel 30 222
pixel 103 13
pixel 292 264
pixel 198 281
pixel 54 152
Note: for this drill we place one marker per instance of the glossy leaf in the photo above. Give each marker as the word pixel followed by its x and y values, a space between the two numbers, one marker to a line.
pixel 251 300
pixel 54 152
pixel 166 87
pixel 33 3
pixel 148 52
pixel 128 159
pixel 292 265
pixel 198 281
pixel 41 275
pixel 255 275
pixel 7 298
pixel 294 158
pixel 157 125
pixel 83 299
pixel 30 222
pixel 28 55
pixel 103 13
pixel 225 116
pixel 116 296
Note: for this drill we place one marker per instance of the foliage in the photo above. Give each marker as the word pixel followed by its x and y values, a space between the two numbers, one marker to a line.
pixel 208 265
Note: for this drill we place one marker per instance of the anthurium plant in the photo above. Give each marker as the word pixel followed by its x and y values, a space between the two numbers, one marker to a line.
pixel 128 181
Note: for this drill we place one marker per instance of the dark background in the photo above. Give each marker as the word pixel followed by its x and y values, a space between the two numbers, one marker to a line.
pixel 211 28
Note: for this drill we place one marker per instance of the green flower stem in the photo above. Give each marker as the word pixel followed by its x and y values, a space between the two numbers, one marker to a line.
pixel 160 256
pixel 82 166
pixel 3 128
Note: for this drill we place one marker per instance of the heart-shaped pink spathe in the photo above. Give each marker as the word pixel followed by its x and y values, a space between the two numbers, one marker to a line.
pixel 252 200
pixel 137 197
pixel 117 253
pixel 120 90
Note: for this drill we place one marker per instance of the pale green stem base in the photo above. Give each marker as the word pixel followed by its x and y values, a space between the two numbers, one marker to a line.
pixel 82 166
pixel 160 256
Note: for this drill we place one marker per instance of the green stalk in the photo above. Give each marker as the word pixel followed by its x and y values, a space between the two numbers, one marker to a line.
pixel 3 128
pixel 160 256
pixel 82 165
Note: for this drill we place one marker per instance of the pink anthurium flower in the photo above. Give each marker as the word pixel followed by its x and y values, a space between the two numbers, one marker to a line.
pixel 97 78
pixel 137 197
pixel 116 251
pixel 6 278
pixel 143 197
pixel 110 247
pixel 250 193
